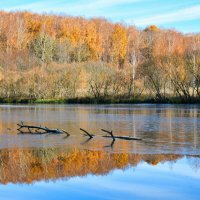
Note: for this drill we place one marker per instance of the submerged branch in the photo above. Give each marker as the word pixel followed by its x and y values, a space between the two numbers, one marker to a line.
pixel 118 137
pixel 87 133
pixel 43 130
pixel 38 129
pixel 110 133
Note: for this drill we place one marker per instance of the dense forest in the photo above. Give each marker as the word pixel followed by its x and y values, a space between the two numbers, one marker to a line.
pixel 61 57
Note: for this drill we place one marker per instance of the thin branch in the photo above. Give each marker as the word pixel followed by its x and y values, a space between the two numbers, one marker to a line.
pixel 119 137
pixel 87 134
pixel 110 133
pixel 64 131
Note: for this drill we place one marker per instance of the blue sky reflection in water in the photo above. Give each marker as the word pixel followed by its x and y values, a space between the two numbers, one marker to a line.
pixel 163 181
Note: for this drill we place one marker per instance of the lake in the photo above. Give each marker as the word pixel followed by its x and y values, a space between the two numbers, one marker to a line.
pixel 165 164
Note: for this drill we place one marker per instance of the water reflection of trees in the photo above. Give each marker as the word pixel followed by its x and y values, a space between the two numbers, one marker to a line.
pixel 29 165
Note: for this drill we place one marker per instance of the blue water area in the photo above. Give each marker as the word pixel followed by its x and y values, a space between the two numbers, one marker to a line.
pixel 168 180
pixel 165 164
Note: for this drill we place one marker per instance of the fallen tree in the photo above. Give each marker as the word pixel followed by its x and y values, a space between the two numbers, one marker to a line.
pixel 118 137
pixel 114 137
pixel 44 130
pixel 39 129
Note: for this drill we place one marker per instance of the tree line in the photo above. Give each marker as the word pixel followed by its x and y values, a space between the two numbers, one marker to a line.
pixel 49 57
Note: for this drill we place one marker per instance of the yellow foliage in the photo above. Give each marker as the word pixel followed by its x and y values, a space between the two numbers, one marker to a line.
pixel 27 166
pixel 119 41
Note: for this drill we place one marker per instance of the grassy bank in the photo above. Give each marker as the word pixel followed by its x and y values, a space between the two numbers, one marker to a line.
pixel 89 100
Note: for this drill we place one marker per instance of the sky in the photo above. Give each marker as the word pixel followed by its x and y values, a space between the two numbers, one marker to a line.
pixel 182 15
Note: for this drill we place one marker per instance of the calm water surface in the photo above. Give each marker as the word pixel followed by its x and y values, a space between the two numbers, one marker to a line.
pixel 164 165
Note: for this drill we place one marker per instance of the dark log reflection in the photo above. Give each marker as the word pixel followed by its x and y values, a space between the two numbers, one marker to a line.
pixel 30 165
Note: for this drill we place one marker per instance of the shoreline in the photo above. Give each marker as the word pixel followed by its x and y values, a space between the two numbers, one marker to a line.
pixel 89 100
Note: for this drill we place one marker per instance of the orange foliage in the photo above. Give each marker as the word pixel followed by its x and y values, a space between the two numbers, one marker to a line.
pixel 27 166
pixel 119 41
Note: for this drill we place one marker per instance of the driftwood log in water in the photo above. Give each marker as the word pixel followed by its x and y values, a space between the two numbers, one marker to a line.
pixel 43 130
pixel 38 129
pixel 87 133
pixel 118 137
pixel 114 137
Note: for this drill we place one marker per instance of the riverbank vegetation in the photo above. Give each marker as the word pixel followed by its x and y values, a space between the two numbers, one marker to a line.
pixel 60 59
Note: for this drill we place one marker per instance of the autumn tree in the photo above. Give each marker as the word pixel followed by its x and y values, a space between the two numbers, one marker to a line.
pixel 118 45
pixel 43 48
pixel 192 57
pixel 99 80
pixel 92 41
pixel 64 52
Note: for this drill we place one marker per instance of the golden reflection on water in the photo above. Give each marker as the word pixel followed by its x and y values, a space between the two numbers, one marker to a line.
pixel 30 165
